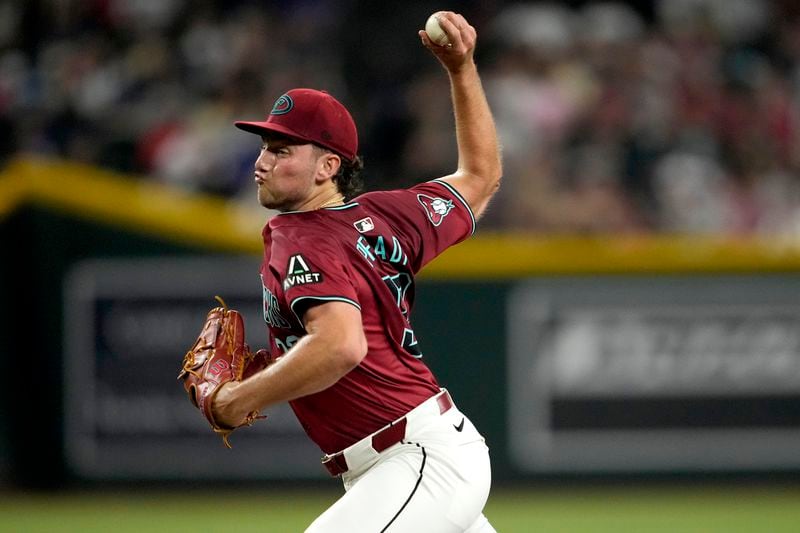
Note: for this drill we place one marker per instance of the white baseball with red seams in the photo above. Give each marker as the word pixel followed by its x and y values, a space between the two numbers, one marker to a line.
pixel 435 31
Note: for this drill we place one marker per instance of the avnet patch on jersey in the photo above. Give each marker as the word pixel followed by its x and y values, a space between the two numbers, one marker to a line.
pixel 299 273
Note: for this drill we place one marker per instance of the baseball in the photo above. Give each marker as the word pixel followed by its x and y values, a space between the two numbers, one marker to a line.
pixel 435 31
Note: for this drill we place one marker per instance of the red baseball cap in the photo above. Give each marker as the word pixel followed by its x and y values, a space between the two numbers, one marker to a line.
pixel 313 116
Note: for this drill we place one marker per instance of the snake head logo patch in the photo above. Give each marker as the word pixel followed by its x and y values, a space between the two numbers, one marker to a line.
pixel 283 105
pixel 436 208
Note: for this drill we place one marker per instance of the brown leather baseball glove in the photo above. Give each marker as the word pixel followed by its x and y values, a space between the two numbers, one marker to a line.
pixel 218 356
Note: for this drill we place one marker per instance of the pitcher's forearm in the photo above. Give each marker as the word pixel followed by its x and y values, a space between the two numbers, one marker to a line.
pixel 333 346
pixel 478 150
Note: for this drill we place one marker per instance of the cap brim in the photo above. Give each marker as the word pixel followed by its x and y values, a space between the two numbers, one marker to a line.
pixel 259 128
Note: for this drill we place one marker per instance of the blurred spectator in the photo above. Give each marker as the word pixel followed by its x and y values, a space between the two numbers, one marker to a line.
pixel 661 116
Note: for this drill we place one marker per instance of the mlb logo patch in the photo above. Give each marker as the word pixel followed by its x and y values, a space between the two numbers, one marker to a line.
pixel 364 225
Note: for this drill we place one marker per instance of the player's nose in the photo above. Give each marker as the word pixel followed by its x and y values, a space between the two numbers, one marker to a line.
pixel 264 161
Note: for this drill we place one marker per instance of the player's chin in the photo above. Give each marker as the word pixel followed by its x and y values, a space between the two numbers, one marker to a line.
pixel 265 200
pixel 264 196
pixel 267 204
pixel 270 202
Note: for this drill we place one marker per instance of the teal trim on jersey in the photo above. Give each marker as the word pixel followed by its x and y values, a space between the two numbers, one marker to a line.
pixel 324 299
pixel 340 207
pixel 334 208
pixel 461 199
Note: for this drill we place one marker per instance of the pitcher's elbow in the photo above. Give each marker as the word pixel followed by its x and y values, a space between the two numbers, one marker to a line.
pixel 349 354
pixel 491 178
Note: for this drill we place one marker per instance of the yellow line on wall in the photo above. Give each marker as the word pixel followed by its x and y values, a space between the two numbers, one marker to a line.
pixel 209 222
pixel 515 255
pixel 13 192
pixel 140 204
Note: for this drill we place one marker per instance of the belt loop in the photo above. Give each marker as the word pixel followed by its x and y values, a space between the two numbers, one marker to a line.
pixel 389 436
pixel 336 464
pixel 445 402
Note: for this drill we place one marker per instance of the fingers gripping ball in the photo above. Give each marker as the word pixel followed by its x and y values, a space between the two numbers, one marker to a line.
pixel 218 356
pixel 435 31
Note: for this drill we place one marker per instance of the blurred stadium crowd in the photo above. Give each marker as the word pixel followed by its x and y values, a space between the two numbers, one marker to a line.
pixel 638 117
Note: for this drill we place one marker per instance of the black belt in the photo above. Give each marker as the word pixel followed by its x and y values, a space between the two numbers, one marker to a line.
pixel 383 439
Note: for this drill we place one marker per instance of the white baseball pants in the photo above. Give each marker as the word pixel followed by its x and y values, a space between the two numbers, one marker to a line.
pixel 435 481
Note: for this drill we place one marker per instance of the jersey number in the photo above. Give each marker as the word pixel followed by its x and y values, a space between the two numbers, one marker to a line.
pixel 398 285
pixel 285 345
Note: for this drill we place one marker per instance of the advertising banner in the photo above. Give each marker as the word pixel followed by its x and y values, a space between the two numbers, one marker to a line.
pixel 128 324
pixel 655 373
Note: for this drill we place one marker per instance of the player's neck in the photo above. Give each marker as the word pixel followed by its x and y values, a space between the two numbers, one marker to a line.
pixel 332 201
pixel 327 198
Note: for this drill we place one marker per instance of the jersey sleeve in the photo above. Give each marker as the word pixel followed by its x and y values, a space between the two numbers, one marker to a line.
pixel 311 271
pixel 432 216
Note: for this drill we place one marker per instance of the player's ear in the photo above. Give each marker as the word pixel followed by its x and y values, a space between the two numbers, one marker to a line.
pixel 328 164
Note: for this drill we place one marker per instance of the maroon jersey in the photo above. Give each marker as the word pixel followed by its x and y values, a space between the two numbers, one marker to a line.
pixel 366 254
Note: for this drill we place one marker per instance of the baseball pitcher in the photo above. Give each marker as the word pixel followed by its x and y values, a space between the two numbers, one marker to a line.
pixel 338 282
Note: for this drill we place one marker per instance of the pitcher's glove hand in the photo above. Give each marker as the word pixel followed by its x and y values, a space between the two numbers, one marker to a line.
pixel 218 356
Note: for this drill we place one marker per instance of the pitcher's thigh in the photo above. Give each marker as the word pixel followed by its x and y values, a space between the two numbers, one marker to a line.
pixel 377 498
pixel 417 490
pixel 453 490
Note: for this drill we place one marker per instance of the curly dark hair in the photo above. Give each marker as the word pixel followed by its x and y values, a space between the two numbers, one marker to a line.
pixel 348 180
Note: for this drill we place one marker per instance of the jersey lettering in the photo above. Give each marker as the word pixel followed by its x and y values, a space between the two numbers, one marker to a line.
pixel 398 285
pixel 375 247
pixel 272 311
pixel 364 249
pixel 397 252
pixel 410 343
pixel 380 248
pixel 392 253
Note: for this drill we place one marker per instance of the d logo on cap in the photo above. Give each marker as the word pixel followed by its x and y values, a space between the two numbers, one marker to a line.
pixel 283 105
